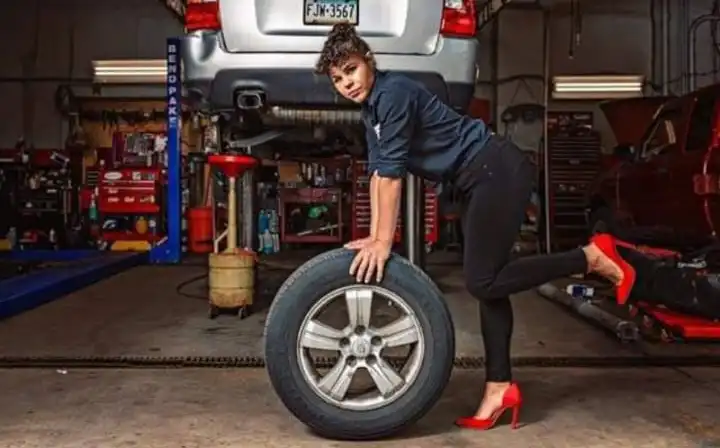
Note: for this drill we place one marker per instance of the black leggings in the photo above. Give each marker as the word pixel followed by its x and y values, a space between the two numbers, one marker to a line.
pixel 496 186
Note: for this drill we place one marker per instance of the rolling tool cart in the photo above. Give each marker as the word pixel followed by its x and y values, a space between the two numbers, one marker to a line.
pixel 130 205
pixel 313 201
pixel 311 215
pixel 131 195
pixel 42 192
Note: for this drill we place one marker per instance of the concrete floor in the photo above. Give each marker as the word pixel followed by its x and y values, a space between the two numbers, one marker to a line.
pixel 236 408
pixel 140 313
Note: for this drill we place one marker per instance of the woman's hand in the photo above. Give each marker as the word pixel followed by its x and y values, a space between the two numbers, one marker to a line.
pixel 370 261
pixel 358 244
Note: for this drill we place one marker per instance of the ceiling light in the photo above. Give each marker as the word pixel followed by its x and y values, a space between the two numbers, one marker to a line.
pixel 597 87
pixel 130 71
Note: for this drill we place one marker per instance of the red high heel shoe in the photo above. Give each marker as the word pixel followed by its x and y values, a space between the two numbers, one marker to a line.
pixel 607 245
pixel 512 399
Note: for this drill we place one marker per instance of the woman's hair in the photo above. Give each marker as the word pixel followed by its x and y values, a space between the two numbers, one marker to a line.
pixel 342 43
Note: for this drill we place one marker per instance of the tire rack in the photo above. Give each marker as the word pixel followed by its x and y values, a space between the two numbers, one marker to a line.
pixel 361 208
pixel 574 162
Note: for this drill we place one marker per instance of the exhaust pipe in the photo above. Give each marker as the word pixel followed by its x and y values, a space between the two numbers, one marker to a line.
pixel 316 116
pixel 250 99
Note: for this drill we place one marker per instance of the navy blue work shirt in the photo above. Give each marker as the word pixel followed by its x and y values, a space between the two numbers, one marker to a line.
pixel 410 129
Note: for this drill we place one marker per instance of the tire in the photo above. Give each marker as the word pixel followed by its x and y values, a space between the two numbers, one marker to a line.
pixel 294 301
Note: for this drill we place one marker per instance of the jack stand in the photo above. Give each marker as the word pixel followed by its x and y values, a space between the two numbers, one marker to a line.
pixel 248 211
pixel 414 220
pixel 231 277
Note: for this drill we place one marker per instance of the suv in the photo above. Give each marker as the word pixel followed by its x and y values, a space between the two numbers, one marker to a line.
pixel 665 187
pixel 256 55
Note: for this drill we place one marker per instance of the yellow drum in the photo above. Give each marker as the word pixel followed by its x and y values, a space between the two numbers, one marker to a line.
pixel 231 281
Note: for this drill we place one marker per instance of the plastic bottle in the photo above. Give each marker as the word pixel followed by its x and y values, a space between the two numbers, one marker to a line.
pixel 580 291
pixel 93 210
pixel 276 242
pixel 267 242
pixel 263 223
pixel 272 229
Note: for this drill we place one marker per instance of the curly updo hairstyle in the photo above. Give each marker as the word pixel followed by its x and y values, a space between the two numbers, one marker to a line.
pixel 342 43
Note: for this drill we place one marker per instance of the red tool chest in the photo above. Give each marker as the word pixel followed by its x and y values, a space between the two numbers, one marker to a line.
pixel 361 208
pixel 135 191
pixel 130 191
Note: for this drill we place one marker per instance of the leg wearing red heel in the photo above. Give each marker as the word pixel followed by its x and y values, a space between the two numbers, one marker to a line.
pixel 511 400
pixel 624 282
pixel 483 424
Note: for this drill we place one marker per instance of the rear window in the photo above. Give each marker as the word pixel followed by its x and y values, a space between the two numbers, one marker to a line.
pixel 702 122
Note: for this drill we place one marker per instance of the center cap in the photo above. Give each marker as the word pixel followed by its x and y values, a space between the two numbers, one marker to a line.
pixel 361 348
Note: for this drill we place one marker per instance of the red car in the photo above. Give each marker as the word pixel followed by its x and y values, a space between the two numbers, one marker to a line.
pixel 664 184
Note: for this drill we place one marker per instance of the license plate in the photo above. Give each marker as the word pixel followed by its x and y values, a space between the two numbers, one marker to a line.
pixel 330 12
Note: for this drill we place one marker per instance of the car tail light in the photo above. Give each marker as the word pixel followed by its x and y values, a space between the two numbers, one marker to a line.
pixel 202 15
pixel 459 18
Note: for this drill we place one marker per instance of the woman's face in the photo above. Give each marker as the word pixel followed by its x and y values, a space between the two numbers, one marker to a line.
pixel 353 78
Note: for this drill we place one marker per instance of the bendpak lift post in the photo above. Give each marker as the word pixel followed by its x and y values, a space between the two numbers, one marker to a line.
pixel 169 250
pixel 76 269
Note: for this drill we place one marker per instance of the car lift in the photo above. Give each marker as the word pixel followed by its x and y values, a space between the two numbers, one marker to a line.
pixel 76 269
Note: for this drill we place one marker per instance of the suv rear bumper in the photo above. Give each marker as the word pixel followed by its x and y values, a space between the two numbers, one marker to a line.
pixel 212 76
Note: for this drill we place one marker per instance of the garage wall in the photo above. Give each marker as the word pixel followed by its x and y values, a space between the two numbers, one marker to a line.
pixel 610 42
pixel 56 39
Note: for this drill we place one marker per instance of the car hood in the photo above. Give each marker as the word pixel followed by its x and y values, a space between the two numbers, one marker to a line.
pixel 630 117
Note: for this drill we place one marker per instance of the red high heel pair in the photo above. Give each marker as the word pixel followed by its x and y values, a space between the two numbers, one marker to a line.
pixel 512 399
pixel 608 246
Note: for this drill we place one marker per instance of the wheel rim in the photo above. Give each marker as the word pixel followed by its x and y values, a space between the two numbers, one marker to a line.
pixel 360 346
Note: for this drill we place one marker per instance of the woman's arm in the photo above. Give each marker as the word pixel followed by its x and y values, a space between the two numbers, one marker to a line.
pixel 395 113
pixel 385 216
pixel 388 162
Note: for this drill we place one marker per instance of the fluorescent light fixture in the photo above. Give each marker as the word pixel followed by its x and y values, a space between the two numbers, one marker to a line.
pixel 597 87
pixel 130 71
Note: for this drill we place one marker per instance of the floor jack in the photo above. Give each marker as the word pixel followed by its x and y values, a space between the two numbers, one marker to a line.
pixel 669 326
pixel 642 318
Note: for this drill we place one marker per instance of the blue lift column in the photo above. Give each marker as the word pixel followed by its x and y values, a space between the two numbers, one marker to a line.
pixel 169 251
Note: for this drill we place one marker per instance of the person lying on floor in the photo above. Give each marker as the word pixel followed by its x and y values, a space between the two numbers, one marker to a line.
pixel 660 280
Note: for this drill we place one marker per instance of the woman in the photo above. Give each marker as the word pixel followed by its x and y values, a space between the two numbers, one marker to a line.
pixel 410 129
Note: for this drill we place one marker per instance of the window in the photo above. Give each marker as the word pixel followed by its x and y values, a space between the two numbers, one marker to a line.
pixel 662 135
pixel 702 123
